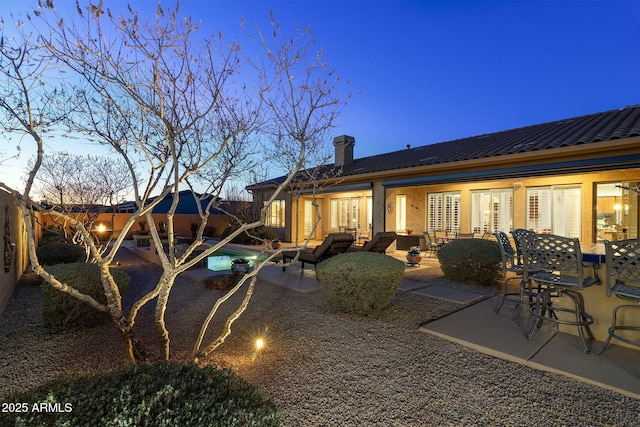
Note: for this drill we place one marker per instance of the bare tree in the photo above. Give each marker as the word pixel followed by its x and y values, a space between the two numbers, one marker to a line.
pixel 171 105
pixel 80 186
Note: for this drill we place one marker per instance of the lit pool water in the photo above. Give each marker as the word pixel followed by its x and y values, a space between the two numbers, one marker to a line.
pixel 222 258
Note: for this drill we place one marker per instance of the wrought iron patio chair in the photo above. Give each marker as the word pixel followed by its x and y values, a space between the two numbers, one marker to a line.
pixel 518 234
pixel 431 246
pixel 509 265
pixel 623 281
pixel 557 261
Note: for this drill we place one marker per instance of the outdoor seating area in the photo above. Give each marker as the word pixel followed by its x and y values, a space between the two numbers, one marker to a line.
pixel 337 243
pixel 558 282
pixel 333 244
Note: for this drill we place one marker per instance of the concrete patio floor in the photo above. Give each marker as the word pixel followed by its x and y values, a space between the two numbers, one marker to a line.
pixel 476 325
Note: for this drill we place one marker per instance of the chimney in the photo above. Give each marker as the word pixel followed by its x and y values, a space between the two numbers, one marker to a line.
pixel 344 149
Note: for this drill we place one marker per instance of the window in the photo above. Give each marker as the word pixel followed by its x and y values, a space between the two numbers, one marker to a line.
pixel 443 211
pixel 616 211
pixel 275 214
pixel 345 213
pixel 310 217
pixel 555 210
pixel 492 210
pixel 401 212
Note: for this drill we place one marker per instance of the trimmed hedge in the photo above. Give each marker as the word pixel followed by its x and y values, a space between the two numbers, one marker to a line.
pixel 471 261
pixel 60 253
pixel 61 311
pixel 360 282
pixel 155 394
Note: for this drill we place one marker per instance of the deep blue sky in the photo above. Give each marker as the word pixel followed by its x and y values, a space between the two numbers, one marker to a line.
pixel 432 71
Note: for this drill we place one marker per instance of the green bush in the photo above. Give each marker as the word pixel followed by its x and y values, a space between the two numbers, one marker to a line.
pixel 360 282
pixel 471 261
pixel 155 394
pixel 60 253
pixel 61 310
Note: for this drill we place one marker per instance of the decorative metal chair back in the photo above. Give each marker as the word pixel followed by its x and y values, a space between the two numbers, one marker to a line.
pixel 506 250
pixel 623 267
pixel 551 254
pixel 519 234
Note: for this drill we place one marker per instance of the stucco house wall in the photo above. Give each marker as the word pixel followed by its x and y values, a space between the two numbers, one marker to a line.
pixel 14 266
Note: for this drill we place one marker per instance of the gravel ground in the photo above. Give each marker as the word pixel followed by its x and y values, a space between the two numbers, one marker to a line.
pixel 320 367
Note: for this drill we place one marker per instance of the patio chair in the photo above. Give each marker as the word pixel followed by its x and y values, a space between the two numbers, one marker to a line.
pixel 623 280
pixel 380 242
pixel 333 244
pixel 431 246
pixel 509 265
pixel 519 234
pixel 557 262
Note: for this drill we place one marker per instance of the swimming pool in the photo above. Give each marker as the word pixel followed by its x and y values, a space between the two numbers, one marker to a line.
pixel 221 259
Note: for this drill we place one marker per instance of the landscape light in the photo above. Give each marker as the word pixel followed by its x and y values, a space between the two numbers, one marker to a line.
pixel 259 343
pixel 102 228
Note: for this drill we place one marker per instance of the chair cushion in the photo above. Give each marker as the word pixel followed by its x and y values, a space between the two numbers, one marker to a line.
pixel 626 291
pixel 561 280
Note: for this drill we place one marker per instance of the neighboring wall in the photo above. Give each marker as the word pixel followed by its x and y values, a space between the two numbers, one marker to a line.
pixel 182 223
pixel 19 259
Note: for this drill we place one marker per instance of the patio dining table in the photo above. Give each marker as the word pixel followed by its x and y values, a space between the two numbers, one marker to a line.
pixel 593 252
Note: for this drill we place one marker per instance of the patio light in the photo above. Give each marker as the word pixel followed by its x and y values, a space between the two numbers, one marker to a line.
pixel 101 228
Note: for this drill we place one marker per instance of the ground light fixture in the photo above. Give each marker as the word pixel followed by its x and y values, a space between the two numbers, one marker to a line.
pixel 259 342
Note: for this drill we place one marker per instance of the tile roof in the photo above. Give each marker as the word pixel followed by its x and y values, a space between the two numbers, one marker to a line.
pixel 588 129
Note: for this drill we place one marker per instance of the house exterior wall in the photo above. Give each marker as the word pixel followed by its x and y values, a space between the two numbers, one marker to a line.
pixel 417 199
pixel 18 236
pixel 384 220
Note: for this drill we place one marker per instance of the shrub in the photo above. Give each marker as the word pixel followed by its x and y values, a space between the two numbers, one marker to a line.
pixel 60 253
pixel 471 261
pixel 61 311
pixel 360 282
pixel 154 394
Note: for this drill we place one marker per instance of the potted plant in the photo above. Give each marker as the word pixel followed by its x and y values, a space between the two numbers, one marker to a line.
pixel 413 256
pixel 240 266
pixel 275 243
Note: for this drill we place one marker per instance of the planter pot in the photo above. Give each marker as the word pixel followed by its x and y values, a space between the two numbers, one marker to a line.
pixel 240 267
pixel 413 259
pixel 275 244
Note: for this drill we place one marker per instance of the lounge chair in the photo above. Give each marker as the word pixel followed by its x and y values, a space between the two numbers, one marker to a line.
pixel 334 244
pixel 380 242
